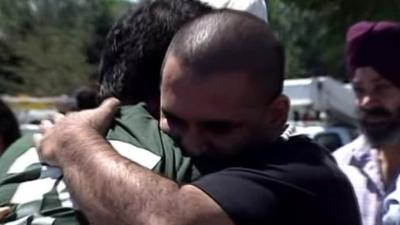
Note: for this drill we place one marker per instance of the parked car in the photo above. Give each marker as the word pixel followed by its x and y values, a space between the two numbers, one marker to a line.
pixel 331 137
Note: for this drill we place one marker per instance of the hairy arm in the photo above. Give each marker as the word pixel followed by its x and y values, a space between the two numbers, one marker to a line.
pixel 113 190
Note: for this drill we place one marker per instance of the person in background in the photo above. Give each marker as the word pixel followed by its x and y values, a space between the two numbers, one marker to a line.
pixel 372 161
pixel 255 7
pixel 9 127
pixel 222 102
pixel 85 98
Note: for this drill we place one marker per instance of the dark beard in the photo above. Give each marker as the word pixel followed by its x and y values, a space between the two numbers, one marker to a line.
pixel 382 133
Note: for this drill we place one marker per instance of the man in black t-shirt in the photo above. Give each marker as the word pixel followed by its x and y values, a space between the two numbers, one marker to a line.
pixel 222 102
pixel 293 182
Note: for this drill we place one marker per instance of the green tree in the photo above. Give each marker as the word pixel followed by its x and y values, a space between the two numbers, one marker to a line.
pixel 314 30
pixel 301 35
pixel 52 46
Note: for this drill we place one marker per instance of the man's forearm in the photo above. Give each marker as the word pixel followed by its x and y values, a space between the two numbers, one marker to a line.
pixel 109 187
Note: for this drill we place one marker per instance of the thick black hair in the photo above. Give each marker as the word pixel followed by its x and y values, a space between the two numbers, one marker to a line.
pixel 136 45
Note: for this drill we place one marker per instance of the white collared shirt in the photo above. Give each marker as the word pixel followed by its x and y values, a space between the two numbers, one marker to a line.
pixel 359 161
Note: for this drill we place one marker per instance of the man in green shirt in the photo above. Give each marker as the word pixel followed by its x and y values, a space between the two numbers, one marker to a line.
pixel 129 70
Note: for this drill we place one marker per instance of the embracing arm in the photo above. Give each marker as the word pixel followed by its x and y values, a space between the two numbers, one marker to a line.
pixel 112 189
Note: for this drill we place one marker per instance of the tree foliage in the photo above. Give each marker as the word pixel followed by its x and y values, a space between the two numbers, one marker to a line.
pixel 51 47
pixel 314 31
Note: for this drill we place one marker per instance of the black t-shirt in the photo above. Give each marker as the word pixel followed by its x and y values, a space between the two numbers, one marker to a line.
pixel 292 182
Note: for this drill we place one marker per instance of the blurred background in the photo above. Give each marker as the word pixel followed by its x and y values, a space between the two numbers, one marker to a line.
pixel 50 49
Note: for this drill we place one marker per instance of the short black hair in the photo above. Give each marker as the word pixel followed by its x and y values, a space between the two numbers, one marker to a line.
pixel 9 127
pixel 136 45
pixel 231 41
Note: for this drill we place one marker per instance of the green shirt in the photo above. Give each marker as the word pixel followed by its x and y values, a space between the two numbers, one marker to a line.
pixel 37 193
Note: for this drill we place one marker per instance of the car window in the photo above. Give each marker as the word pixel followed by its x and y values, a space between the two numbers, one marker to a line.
pixel 330 140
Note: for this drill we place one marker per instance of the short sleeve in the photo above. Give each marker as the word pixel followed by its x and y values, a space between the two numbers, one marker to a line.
pixel 243 194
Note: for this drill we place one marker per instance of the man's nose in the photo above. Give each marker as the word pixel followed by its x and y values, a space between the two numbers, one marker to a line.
pixel 193 142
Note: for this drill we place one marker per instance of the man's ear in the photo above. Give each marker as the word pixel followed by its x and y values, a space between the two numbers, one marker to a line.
pixel 279 110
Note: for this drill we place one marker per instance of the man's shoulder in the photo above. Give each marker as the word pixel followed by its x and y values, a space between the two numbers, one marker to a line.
pixel 134 121
pixel 135 134
pixel 300 149
pixel 15 151
pixel 135 126
pixel 137 111
pixel 308 165
pixel 19 146
pixel 296 161
pixel 296 170
pixel 311 169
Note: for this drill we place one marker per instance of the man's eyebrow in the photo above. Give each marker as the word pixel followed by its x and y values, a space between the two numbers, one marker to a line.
pixel 218 123
pixel 169 114
pixel 374 81
pixel 377 80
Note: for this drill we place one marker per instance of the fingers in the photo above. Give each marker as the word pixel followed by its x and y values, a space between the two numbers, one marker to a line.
pixel 57 117
pixel 37 139
pixel 45 125
pixel 103 115
pixel 109 106
pixel 4 211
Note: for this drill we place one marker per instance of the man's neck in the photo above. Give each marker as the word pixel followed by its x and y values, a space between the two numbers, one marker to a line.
pixel 389 161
